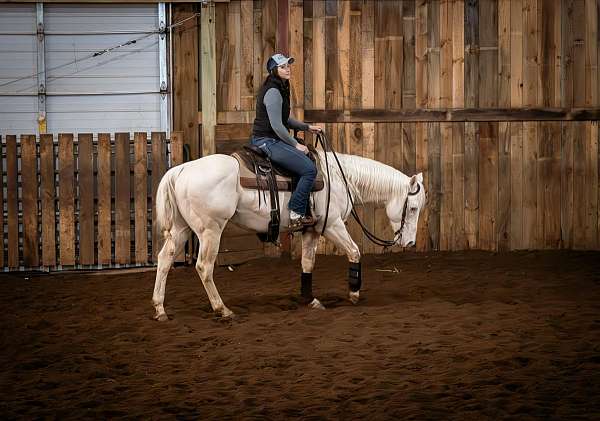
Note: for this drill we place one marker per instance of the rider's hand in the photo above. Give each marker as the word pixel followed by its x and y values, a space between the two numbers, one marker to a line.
pixel 315 129
pixel 302 148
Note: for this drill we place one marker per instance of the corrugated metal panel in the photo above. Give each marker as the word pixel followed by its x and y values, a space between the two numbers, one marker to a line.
pixel 133 68
pixel 86 18
pixel 102 113
pixel 17 18
pixel 18 58
pixel 115 91
pixel 18 114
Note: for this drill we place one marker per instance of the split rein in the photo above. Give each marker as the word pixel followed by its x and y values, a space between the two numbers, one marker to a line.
pixel 322 139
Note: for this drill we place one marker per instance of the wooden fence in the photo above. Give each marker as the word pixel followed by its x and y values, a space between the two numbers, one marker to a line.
pixel 82 201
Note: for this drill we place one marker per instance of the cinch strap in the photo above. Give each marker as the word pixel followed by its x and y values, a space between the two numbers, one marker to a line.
pixel 354 277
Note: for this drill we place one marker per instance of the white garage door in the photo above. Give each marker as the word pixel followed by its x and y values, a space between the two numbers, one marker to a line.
pixel 100 69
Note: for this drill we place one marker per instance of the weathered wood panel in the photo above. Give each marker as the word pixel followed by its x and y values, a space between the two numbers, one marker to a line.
pixel 433 54
pixel 530 155
pixel 186 100
pixel 445 54
pixel 488 53
pixel 471 167
pixel 591 185
pixel 580 205
pixel 355 58
pixel 48 200
pixel 516 186
pixel 566 184
pixel 122 199
pixel 29 203
pixel 531 52
pixel 592 41
pixel 12 201
pixel 332 68
pixel 140 193
pixel 247 82
pixel 472 53
pixel 579 49
pixel 504 53
pixel 319 55
pixel 549 175
pixel 458 187
pixel 86 198
pixel 296 50
pixel 66 196
pixel 488 185
pixel 503 218
pixel 447 186
pixel 409 55
pixel 516 57
pixel 421 64
pixel 104 199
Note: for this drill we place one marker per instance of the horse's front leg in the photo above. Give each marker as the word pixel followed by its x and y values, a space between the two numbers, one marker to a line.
pixel 310 241
pixel 338 233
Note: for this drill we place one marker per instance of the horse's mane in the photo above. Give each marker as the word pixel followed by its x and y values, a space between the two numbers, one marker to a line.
pixel 370 181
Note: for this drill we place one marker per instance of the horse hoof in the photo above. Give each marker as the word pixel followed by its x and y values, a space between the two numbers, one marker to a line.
pixel 161 317
pixel 227 314
pixel 316 304
pixel 354 296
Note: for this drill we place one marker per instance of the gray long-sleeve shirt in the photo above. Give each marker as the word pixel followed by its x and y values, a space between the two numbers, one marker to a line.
pixel 273 102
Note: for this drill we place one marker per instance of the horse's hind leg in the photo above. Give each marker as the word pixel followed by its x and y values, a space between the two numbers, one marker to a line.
pixel 173 245
pixel 210 238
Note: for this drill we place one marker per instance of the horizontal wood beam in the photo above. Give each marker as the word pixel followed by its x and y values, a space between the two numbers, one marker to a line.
pixel 232 117
pixel 457 115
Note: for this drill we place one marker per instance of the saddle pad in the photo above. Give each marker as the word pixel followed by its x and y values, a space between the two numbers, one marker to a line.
pixel 249 180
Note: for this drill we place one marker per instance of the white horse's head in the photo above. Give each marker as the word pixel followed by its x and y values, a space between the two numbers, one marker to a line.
pixel 403 211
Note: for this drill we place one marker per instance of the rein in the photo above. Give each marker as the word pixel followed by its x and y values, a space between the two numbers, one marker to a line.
pixel 322 139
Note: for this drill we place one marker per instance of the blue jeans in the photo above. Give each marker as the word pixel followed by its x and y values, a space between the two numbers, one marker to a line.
pixel 294 161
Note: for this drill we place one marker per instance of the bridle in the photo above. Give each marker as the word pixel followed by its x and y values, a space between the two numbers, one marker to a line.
pixel 405 207
pixel 322 138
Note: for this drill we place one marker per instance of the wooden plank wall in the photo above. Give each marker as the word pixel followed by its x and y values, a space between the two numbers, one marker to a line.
pixel 500 185
pixel 79 177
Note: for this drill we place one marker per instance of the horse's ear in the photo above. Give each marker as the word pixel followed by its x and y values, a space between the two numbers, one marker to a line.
pixel 420 177
pixel 413 181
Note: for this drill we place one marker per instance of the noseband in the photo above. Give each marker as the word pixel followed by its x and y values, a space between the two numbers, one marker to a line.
pixel 399 230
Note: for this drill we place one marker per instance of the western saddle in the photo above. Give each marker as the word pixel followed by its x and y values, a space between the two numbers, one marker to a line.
pixel 257 172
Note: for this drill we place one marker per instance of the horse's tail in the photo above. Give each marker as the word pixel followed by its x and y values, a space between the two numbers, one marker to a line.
pixel 166 205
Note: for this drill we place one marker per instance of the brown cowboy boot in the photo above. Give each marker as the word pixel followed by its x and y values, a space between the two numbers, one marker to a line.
pixel 298 224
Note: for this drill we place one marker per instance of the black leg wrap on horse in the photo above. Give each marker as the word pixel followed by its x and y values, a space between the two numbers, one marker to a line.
pixel 354 277
pixel 306 286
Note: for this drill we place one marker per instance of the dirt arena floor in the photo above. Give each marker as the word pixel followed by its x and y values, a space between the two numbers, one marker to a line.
pixel 436 336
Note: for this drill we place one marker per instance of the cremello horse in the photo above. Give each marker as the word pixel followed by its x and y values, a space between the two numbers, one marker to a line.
pixel 205 194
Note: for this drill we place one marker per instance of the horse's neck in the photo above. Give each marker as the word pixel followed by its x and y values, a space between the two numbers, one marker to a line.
pixel 370 180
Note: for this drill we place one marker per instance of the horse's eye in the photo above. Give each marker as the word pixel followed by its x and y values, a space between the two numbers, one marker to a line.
pixel 413 209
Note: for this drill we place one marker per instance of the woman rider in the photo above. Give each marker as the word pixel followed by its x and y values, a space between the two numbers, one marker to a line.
pixel 271 133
